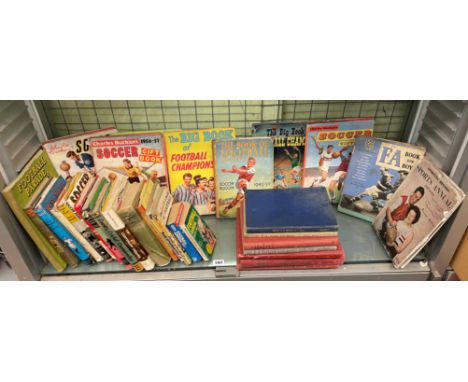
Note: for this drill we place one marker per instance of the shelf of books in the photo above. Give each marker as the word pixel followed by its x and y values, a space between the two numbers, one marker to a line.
pixel 294 201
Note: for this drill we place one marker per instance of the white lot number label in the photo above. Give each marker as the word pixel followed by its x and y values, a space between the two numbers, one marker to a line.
pixel 218 262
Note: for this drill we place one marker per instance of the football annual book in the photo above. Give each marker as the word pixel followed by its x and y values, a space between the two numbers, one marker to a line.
pixel 241 164
pixel 19 193
pixel 298 210
pixel 328 150
pixel 416 211
pixel 72 153
pixel 190 165
pixel 288 142
pixel 376 170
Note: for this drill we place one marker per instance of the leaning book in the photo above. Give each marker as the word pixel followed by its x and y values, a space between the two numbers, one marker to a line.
pixel 328 151
pixel 420 206
pixel 377 168
pixel 288 142
pixel 72 153
pixel 19 193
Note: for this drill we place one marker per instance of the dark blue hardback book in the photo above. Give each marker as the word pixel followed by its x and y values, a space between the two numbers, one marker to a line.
pixel 291 210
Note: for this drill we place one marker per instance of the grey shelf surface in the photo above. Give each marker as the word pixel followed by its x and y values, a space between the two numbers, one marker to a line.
pixel 365 259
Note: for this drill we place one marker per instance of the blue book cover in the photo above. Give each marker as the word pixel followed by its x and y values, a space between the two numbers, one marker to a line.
pixel 293 210
pixel 42 210
pixel 328 151
pixel 377 169
pixel 288 145
pixel 185 242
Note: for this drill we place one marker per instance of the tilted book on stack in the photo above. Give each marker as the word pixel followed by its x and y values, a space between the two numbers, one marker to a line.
pixel 294 228
pixel 417 210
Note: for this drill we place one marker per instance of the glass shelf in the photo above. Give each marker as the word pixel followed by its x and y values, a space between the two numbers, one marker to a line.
pixel 357 236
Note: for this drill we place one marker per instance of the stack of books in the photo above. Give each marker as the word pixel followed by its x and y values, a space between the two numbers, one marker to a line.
pixel 287 229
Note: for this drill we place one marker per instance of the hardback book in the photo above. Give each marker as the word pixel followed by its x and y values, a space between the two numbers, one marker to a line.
pixel 190 166
pixel 129 215
pixel 376 170
pixel 140 156
pixel 295 210
pixel 327 259
pixel 90 212
pixel 200 246
pixel 241 164
pixel 416 211
pixel 64 211
pixel 284 244
pixel 110 205
pixel 328 151
pixel 69 257
pixel 43 210
pixel 288 142
pixel 72 153
pixel 146 196
pixel 20 192
pixel 159 208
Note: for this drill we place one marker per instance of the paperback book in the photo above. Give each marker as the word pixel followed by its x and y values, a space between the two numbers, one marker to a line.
pixel 416 211
pixel 378 167
pixel 288 142
pixel 241 164
pixel 190 166
pixel 328 151
pixel 72 153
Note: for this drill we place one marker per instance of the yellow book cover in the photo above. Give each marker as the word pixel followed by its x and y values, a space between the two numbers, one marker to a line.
pixel 190 166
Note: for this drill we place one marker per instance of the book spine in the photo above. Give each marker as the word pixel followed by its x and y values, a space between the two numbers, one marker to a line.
pixel 109 237
pixel 157 233
pixel 69 257
pixel 51 254
pixel 173 242
pixel 94 249
pixel 137 226
pixel 185 242
pixel 199 249
pixel 113 221
pixel 289 250
pixel 298 242
pixel 59 230
pixel 290 230
pixel 100 221
pixel 287 264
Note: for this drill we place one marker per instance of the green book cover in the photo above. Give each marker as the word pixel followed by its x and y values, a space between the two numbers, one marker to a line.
pixel 19 193
pixel 203 236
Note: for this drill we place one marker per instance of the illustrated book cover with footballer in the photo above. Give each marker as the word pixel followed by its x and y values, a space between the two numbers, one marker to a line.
pixel 20 192
pixel 377 168
pixel 72 153
pixel 416 211
pixel 140 156
pixel 241 164
pixel 190 166
pixel 288 143
pixel 328 151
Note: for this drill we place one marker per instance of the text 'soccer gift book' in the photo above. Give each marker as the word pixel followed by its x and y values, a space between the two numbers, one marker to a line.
pixel 140 156
pixel 190 166
pixel 241 164
pixel 288 142
pixel 377 169
pixel 328 151
pixel 420 206
pixel 296 210
pixel 72 153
